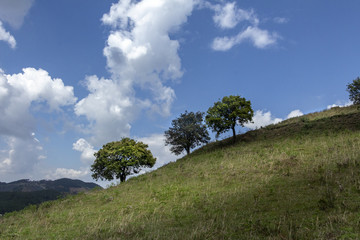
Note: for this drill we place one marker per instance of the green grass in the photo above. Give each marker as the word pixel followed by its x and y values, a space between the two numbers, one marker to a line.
pixel 299 179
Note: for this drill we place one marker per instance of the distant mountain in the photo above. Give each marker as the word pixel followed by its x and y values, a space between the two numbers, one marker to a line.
pixel 19 194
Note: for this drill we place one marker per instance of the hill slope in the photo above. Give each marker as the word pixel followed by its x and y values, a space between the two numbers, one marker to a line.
pixel 299 179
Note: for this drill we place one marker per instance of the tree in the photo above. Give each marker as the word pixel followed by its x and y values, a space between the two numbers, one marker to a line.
pixel 227 113
pixel 354 91
pixel 120 159
pixel 187 132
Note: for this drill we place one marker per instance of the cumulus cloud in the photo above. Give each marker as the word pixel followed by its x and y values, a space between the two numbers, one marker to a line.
pixel 109 108
pixel 14 11
pixel 295 113
pixel 340 104
pixel 6 36
pixel 156 143
pixel 37 85
pixel 86 149
pixel 18 93
pixel 262 119
pixel 258 37
pixel 140 54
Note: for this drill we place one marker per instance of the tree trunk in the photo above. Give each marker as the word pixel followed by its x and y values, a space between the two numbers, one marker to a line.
pixel 122 177
pixel 187 150
pixel 234 133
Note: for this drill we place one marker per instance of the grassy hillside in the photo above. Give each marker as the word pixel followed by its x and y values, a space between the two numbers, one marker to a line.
pixel 299 179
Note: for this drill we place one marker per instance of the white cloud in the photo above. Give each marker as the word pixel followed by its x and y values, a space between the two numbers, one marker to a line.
pixel 18 93
pixel 14 11
pixel 86 149
pixel 228 15
pixel 340 104
pixel 280 20
pixel 6 36
pixel 262 119
pixel 259 38
pixel 109 108
pixel 67 173
pixel 156 143
pixel 20 156
pixel 37 85
pixel 295 113
pixel 140 54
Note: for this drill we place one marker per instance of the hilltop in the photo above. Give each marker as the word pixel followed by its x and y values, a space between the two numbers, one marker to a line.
pixel 299 179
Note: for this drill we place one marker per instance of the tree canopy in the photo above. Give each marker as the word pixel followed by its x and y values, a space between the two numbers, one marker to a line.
pixel 354 91
pixel 227 113
pixel 187 132
pixel 120 159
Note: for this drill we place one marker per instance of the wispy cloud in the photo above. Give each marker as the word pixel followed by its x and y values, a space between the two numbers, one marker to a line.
pixel 7 37
pixel 259 38
pixel 67 173
pixel 229 15
pixel 14 11
pixel 280 20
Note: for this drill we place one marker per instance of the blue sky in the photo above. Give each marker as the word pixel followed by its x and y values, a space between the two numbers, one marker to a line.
pixel 78 74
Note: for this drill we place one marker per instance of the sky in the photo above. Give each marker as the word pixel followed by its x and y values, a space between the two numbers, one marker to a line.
pixel 75 75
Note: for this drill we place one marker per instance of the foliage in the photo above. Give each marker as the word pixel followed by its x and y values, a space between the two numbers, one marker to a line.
pixel 120 159
pixel 227 113
pixel 186 133
pixel 354 91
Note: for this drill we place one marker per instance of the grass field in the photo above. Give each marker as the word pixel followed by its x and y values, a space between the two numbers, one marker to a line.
pixel 299 179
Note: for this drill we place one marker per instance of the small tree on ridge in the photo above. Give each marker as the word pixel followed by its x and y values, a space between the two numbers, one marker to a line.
pixel 187 132
pixel 354 91
pixel 227 113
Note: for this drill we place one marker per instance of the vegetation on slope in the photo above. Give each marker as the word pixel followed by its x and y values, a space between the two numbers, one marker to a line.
pixel 299 179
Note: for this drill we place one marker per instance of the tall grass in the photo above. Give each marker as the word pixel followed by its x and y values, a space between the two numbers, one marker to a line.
pixel 296 180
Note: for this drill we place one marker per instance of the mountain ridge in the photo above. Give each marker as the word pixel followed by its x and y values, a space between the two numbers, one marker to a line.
pixel 21 193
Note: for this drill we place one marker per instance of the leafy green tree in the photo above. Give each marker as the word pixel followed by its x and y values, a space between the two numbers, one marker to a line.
pixel 120 159
pixel 354 91
pixel 187 132
pixel 227 113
